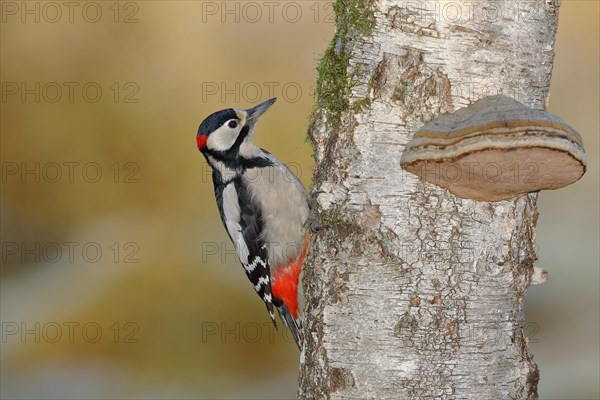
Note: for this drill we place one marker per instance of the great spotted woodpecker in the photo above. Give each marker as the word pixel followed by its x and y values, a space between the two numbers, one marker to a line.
pixel 263 206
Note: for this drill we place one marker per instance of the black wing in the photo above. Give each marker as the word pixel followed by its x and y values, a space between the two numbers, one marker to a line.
pixel 245 233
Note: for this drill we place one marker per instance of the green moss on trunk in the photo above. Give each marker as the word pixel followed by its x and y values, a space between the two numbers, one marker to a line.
pixel 354 18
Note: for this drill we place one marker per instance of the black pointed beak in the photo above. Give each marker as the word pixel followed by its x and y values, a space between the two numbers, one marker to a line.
pixel 254 113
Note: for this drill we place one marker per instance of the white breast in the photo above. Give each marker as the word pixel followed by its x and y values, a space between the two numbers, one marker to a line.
pixel 283 202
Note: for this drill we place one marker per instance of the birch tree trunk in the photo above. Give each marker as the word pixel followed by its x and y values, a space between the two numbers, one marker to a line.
pixel 417 293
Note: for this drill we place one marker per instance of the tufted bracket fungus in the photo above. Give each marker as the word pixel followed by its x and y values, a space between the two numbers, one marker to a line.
pixel 496 149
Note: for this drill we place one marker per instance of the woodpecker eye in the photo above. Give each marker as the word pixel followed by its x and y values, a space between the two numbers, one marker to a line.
pixel 232 124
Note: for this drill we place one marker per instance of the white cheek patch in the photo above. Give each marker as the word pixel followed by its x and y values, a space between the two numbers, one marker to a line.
pixel 222 139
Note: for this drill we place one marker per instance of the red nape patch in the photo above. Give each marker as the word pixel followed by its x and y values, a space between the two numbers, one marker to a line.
pixel 201 141
pixel 285 285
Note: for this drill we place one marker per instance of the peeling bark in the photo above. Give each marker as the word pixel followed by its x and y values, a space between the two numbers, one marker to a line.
pixel 417 293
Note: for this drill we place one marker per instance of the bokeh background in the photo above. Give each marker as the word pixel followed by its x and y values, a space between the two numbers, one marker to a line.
pixel 118 280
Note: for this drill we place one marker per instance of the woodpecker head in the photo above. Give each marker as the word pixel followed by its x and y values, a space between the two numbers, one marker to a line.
pixel 228 129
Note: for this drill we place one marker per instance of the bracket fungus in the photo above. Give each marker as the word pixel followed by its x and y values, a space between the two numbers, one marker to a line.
pixel 496 149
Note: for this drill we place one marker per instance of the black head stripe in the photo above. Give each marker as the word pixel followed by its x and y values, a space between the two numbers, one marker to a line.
pixel 229 156
pixel 243 133
pixel 216 120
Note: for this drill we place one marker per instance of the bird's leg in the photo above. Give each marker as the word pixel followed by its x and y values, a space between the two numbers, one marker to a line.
pixel 313 220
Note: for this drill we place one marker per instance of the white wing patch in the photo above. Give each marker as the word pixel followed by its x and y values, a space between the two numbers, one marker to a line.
pixel 231 208
pixel 258 268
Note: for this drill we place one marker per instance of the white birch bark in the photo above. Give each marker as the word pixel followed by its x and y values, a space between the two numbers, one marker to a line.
pixel 417 293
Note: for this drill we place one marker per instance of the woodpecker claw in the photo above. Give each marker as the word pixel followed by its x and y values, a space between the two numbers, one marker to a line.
pixel 314 221
pixel 315 194
pixel 312 202
pixel 317 227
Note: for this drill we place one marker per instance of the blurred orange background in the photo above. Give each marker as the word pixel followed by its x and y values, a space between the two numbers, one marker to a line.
pixel 118 280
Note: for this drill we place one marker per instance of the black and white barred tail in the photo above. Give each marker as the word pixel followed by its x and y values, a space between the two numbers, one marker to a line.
pixel 293 324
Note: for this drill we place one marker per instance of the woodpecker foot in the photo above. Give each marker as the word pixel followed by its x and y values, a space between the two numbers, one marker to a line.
pixel 314 221
pixel 313 199
pixel 317 227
